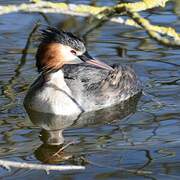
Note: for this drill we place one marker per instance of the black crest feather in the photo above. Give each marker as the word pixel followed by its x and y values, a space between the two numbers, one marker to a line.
pixel 52 34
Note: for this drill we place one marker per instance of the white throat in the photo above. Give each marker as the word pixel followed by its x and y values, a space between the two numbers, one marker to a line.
pixel 57 79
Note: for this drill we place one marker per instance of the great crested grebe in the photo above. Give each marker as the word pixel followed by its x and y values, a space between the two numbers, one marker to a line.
pixel 72 82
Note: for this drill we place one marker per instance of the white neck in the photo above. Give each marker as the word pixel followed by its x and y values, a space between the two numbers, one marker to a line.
pixel 57 79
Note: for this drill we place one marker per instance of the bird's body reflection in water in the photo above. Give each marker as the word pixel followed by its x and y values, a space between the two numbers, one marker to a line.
pixel 54 125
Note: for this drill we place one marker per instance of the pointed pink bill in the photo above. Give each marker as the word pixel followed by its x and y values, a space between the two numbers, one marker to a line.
pixel 88 59
pixel 99 64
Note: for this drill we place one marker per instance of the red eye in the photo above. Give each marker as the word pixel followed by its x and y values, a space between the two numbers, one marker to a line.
pixel 73 52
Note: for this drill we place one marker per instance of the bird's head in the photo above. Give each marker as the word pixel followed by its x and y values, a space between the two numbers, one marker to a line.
pixel 58 47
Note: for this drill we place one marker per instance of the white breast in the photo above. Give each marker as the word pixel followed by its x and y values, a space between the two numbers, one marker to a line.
pixel 54 97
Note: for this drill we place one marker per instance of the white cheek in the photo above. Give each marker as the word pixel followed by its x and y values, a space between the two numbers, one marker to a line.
pixel 77 60
pixel 72 59
pixel 69 57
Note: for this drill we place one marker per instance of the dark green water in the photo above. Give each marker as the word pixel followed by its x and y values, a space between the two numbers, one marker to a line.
pixel 147 139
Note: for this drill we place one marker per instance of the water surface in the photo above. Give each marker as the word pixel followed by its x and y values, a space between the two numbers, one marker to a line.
pixel 147 139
